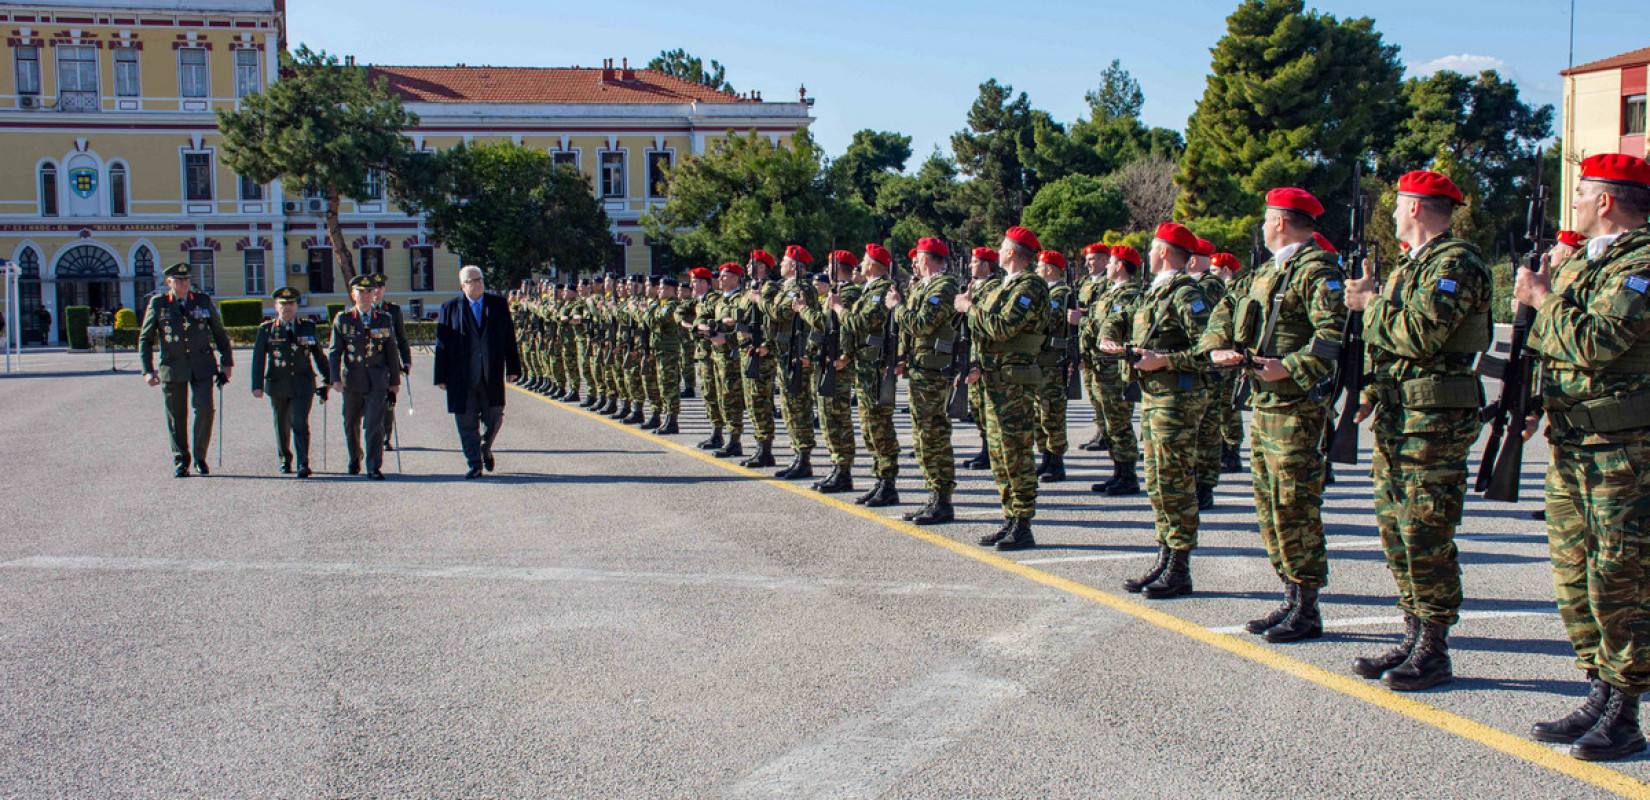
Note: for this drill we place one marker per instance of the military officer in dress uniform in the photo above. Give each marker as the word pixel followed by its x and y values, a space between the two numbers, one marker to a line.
pixel 186 326
pixel 402 348
pixel 1593 341
pixel 282 355
pixel 365 365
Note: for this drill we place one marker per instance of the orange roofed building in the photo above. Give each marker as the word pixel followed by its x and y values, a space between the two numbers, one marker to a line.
pixel 1604 112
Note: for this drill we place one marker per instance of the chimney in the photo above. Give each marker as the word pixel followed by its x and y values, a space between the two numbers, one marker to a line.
pixel 349 61
pixel 607 71
pixel 628 74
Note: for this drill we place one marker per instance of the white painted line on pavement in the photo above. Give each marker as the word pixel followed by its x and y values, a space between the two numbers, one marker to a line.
pixel 1361 622
pixel 1072 559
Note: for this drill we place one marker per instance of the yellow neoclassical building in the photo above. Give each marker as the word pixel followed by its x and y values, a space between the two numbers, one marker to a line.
pixel 112 171
pixel 1604 112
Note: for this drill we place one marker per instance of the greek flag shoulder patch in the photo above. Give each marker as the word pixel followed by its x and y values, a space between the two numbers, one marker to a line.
pixel 1446 285
pixel 1025 301
pixel 1197 306
pixel 935 300
pixel 1116 308
pixel 1055 304
pixel 1638 283
pixel 1333 286
pixel 876 299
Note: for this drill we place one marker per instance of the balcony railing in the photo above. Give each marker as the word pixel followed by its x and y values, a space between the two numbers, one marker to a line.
pixel 79 102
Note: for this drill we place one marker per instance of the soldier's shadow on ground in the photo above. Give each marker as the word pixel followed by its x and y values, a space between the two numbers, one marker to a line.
pixel 514 478
pixel 1495 644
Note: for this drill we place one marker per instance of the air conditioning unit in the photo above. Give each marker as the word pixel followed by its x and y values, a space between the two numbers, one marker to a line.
pixel 296 269
pixel 28 101
pixel 292 206
pixel 303 299
pixel 316 205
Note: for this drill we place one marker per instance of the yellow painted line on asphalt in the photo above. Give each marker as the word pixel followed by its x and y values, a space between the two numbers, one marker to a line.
pixel 1368 691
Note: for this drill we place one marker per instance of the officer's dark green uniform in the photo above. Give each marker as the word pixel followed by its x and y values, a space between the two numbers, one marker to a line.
pixel 282 355
pixel 364 359
pixel 402 348
pixel 186 329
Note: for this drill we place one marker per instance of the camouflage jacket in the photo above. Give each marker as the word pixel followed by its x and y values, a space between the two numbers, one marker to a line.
pixel 926 319
pixel 1169 319
pixel 1008 323
pixel 1309 295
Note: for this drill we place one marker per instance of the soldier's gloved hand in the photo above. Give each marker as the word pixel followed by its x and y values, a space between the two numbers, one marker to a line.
pixel 221 380
pixel 322 393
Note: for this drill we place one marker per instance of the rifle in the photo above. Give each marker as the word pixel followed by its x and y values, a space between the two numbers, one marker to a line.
pixel 1130 355
pixel 1069 361
pixel 889 360
pixel 1341 438
pixel 799 345
pixel 751 323
pixel 962 363
pixel 830 349
pixel 1501 468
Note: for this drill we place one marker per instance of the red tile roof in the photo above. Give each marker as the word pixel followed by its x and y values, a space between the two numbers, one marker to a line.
pixel 1633 59
pixel 543 85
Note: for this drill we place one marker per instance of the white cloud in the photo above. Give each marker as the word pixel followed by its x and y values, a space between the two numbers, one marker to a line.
pixel 1465 63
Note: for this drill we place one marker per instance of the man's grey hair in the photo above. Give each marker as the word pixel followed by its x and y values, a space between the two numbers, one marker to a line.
pixel 468 271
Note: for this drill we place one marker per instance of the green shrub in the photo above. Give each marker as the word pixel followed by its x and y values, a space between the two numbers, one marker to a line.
pixel 76 318
pixel 240 313
pixel 333 310
pixel 124 338
pixel 126 319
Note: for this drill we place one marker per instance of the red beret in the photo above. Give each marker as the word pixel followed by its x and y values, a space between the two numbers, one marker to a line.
pixel 762 256
pixel 1024 237
pixel 799 253
pixel 1052 258
pixel 911 254
pixel 1096 248
pixel 701 272
pixel 845 257
pixel 1293 199
pixel 879 254
pixel 1124 252
pixel 1323 242
pixel 1422 183
pixel 1205 247
pixel 1226 261
pixel 1571 239
pixel 1616 168
pixel 985 254
pixel 1177 235
pixel 734 268
pixel 929 244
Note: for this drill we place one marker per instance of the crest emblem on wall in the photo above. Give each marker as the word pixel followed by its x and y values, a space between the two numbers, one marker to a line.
pixel 83 180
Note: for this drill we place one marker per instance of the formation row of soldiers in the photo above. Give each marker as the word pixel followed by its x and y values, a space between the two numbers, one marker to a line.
pixel 1177 331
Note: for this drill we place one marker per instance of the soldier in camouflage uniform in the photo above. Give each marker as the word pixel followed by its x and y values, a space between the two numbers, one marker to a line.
pixel 1112 317
pixel 787 336
pixel 1007 327
pixel 760 365
pixel 984 278
pixel 665 344
pixel 1173 312
pixel 579 317
pixel 186 327
pixel 1424 332
pixel 651 389
pixel 567 344
pixel 1227 267
pixel 1220 387
pixel 1593 342
pixel 835 409
pixel 1289 325
pixel 1050 434
pixel 1089 289
pixel 633 315
pixel 864 328
pixel 730 378
pixel 703 326
pixel 928 335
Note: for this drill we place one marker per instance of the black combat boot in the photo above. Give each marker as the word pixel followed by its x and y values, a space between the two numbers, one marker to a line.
pixel 589 400
pixel 668 426
pixel 1127 481
pixel 1428 664
pixel 732 448
pixel 1617 734
pixel 876 484
pixel 1043 465
pixel 884 495
pixel 1056 469
pixel 840 480
pixel 606 406
pixel 999 534
pixel 939 510
pixel 763 456
pixel 713 443
pixel 652 423
pixel 1230 461
pixel 1579 721
pixel 1328 474
pixel 1205 496
pixel 982 460
pixel 801 466
pixel 1290 592
pixel 1019 538
pixel 1176 580
pixel 1304 622
pixel 557 393
pixel 687 394
pixel 1374 668
pixel 926 507
pixel 621 409
pixel 572 397
pixel 635 416
pixel 1095 444
pixel 1135 585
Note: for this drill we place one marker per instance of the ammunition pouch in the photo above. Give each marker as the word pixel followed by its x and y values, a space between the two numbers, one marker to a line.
pixel 1443 392
pixel 1624 412
pixel 1025 344
pixel 929 361
pixel 1023 374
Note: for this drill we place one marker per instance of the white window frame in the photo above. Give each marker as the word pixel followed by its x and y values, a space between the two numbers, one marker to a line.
pixel 211 176
pixel 243 184
pixel 361 259
pixel 128 56
pixel 54 193
pixel 204 75
pixel 574 152
pixel 62 83
pixel 414 278
pixel 249 78
pixel 18 72
pixel 121 193
pixel 256 279
pixel 204 274
pixel 670 155
pixel 624 176
pixel 1644 114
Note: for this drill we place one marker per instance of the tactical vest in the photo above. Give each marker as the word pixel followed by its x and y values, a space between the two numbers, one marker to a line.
pixel 1166 339
pixel 933 349
pixel 1292 332
pixel 1476 332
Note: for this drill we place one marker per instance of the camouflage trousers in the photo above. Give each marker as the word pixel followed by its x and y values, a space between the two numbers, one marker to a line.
pixel 1420 476
pixel 1231 423
pixel 1011 417
pixel 1598 506
pixel 836 417
pixel 569 356
pixel 1091 385
pixel 689 377
pixel 798 408
pixel 586 363
pixel 876 422
pixel 650 378
pixel 1050 433
pixel 1170 435
pixel 1119 416
pixel 667 380
pixel 931 429
pixel 730 389
pixel 711 394
pixel 632 376
pixel 1211 432
pixel 759 396
pixel 976 404
pixel 1288 475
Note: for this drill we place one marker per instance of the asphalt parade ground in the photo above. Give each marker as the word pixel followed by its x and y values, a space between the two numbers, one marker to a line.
pixel 618 615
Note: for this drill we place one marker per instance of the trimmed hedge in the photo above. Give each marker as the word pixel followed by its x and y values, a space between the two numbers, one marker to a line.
pixel 241 313
pixel 76 318
pixel 421 333
pixel 125 319
pixel 333 310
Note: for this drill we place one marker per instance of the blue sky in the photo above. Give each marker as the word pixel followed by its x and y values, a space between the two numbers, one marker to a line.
pixel 916 67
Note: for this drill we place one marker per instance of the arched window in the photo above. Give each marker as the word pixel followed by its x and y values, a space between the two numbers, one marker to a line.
pixel 28 295
pixel 48 190
pixel 117 190
pixel 143 276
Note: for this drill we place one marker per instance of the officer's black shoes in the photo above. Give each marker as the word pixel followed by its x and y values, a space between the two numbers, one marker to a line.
pixel 939 510
pixel 487 460
pixel 732 448
pixel 1230 461
pixel 375 475
pixel 1056 468
pixel 1304 622
pixel 801 466
pixel 1043 466
pixel 1617 734
pixel 762 458
pixel 668 426
pixel 1328 474
pixel 653 422
pixel 713 442
pixel 286 469
pixel 980 461
pixel 883 495
pixel 1126 482
pixel 1540 515
pixel 200 466
pixel 1205 497
pixel 475 472
pixel 303 472
pixel 182 471
pixel 1374 668
pixel 1000 534
pixel 1019 536
pixel 1136 585
pixel 1428 664
pixel 1290 592
pixel 1579 721
pixel 840 480
pixel 1176 580
pixel 389 446
pixel 1095 444
pixel 355 468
